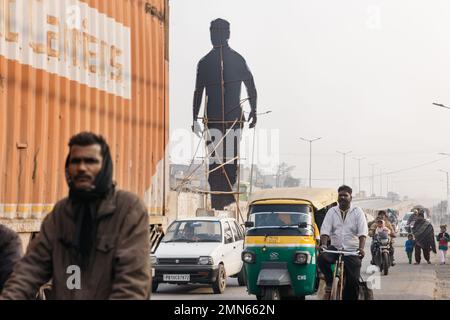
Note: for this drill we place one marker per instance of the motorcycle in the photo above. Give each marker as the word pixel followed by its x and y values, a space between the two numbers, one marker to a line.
pixel 382 248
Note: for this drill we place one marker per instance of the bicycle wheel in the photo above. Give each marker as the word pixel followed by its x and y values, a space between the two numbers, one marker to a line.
pixel 342 281
pixel 335 289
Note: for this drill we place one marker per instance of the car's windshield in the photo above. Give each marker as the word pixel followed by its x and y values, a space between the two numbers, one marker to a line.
pixel 280 219
pixel 194 231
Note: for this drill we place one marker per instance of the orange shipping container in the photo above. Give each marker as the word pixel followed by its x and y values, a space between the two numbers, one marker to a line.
pixel 72 65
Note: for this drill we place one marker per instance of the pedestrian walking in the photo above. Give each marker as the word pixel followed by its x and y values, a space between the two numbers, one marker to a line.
pixel 424 235
pixel 443 239
pixel 409 247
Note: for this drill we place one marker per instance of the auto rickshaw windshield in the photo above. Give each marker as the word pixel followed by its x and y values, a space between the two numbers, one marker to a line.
pixel 295 208
pixel 280 219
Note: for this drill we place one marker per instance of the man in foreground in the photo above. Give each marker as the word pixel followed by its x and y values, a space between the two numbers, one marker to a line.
pixel 95 243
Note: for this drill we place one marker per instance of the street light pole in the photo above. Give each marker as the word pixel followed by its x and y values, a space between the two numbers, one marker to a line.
pixel 381 182
pixel 448 192
pixel 344 154
pixel 359 174
pixel 253 153
pixel 387 183
pixel 310 156
pixel 448 187
pixel 373 178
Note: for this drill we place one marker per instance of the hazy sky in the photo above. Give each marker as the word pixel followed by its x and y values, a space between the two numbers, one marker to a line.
pixel 360 74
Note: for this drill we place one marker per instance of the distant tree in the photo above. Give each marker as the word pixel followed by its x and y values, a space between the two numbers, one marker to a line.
pixel 290 182
pixel 283 172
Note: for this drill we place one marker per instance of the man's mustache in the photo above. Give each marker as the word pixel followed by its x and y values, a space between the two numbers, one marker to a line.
pixel 82 176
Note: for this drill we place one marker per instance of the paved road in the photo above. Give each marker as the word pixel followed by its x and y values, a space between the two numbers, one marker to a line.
pixel 201 292
pixel 404 282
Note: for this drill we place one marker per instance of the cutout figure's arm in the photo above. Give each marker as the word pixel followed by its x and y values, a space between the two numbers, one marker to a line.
pixel 252 93
pixel 198 94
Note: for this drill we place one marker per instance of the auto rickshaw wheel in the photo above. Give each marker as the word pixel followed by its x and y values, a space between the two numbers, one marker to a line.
pixel 221 281
pixel 271 293
pixel 155 286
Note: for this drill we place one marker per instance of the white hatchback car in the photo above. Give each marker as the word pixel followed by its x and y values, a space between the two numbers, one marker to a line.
pixel 200 250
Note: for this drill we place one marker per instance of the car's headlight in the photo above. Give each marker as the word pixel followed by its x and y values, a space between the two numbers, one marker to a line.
pixel 205 261
pixel 248 257
pixel 301 258
pixel 153 260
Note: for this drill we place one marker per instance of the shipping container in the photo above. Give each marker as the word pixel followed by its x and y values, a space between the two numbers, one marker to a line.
pixel 68 66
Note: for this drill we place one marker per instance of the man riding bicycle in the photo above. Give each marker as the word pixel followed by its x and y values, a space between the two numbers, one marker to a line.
pixel 346 227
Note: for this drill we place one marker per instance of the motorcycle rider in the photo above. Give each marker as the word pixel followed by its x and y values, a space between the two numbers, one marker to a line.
pixel 372 227
pixel 381 227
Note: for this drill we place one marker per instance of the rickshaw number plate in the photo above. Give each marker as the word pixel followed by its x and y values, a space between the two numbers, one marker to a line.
pixel 176 277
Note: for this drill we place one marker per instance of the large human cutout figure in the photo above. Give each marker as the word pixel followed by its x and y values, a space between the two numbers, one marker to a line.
pixel 221 73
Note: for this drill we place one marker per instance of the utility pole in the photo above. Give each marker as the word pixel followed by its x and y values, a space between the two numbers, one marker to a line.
pixel 387 183
pixel 448 192
pixel 381 182
pixel 373 178
pixel 310 156
pixel 253 153
pixel 344 154
pixel 359 173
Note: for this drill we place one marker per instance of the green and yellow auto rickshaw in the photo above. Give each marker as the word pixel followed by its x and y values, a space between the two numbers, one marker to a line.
pixel 281 243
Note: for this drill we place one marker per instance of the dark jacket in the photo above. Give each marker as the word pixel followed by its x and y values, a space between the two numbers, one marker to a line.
pixel 424 234
pixel 10 252
pixel 118 264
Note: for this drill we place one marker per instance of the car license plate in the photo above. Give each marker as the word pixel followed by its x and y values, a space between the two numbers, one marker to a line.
pixel 177 277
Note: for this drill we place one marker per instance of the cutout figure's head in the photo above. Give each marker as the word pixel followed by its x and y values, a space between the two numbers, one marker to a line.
pixel 220 32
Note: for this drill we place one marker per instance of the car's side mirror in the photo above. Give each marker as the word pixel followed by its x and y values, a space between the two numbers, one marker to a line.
pixel 249 224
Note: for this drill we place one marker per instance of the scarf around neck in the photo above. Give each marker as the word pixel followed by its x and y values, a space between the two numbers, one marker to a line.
pixel 86 204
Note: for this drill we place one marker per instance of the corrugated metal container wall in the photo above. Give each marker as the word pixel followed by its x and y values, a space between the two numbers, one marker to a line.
pixel 72 65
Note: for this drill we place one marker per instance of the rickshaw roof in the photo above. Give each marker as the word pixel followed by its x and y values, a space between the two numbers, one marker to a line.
pixel 319 197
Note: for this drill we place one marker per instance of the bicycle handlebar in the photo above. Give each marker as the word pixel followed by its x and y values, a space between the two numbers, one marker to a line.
pixel 345 253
